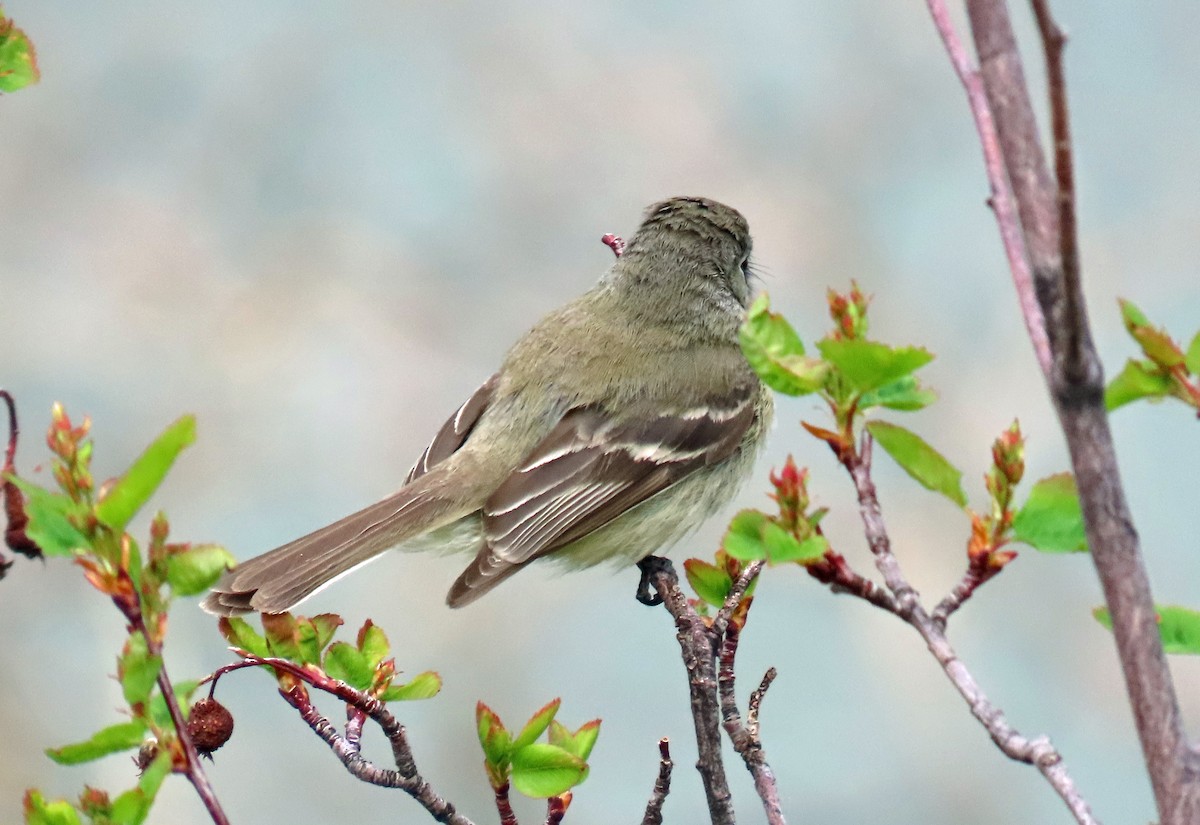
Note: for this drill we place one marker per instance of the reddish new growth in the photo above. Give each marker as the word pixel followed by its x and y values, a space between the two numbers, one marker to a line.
pixel 614 242
pixel 849 313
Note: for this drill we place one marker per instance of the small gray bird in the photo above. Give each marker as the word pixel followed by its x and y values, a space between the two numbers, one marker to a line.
pixel 613 428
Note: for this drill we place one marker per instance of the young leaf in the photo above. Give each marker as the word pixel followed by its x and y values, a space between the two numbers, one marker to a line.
pixel 344 662
pixel 743 540
pixel 422 686
pixel 775 352
pixel 308 649
pixel 137 669
pixel 114 738
pixel 782 546
pixel 373 643
pixel 1139 379
pixel 869 365
pixel 493 737
pixel 18 60
pixel 196 569
pixel 1192 359
pixel 1155 343
pixel 40 812
pixel 579 743
pixel 52 520
pixel 1179 627
pixel 140 481
pixel 537 724
pixel 711 583
pixel 133 806
pixel 326 624
pixel 240 634
pixel 280 630
pixel 540 770
pixel 157 708
pixel 919 460
pixel 905 395
pixel 1051 520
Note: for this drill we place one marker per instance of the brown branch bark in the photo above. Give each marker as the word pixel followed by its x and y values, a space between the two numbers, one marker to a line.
pixel 662 785
pixel 1045 209
pixel 696 644
pixel 1038 752
pixel 346 748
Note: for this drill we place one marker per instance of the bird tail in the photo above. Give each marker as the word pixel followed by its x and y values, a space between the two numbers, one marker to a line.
pixel 279 580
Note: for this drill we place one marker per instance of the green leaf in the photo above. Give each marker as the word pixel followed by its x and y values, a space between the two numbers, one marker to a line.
pixel 308 648
pixel 775 352
pixel 782 546
pixel 137 669
pixel 1192 359
pixel 920 460
pixel 157 709
pixel 744 538
pixel 905 395
pixel 114 738
pixel 493 736
pixel 1052 520
pixel 373 643
pixel 537 724
pixel 868 365
pixel 1155 343
pixel 326 624
pixel 422 686
pixel 1179 627
pixel 196 569
pixel 540 770
pixel 1139 379
pixel 140 481
pixel 52 520
pixel 133 806
pixel 345 662
pixel 711 583
pixel 240 634
pixel 579 743
pixel 280 630
pixel 18 59
pixel 40 812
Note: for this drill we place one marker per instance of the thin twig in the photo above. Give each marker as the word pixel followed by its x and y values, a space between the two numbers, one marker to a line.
pixel 662 785
pixel 734 598
pixel 405 777
pixel 504 806
pixel 695 642
pixel 556 808
pixel 834 571
pixel 744 738
pixel 1000 199
pixel 1037 752
pixel 978 573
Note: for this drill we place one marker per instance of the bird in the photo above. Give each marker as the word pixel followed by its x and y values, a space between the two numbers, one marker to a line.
pixel 612 429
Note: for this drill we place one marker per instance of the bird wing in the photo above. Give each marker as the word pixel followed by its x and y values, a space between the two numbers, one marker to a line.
pixel 454 432
pixel 588 471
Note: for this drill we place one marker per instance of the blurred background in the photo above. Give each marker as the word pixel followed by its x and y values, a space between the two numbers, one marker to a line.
pixel 318 225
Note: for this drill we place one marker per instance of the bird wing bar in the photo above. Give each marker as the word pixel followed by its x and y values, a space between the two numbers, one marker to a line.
pixel 591 469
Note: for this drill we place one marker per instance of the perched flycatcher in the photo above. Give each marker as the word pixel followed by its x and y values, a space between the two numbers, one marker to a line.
pixel 613 428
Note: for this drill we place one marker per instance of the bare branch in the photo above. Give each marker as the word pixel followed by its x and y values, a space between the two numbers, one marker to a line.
pixel 695 642
pixel 1047 219
pixel 1037 752
pixel 405 777
pixel 1000 199
pixel 745 737
pixel 734 598
pixel 662 785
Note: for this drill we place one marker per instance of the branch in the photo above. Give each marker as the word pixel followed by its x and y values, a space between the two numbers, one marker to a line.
pixel 745 738
pixel 662 785
pixel 1038 752
pixel 405 777
pixel 1000 199
pixel 697 646
pixel 1075 377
